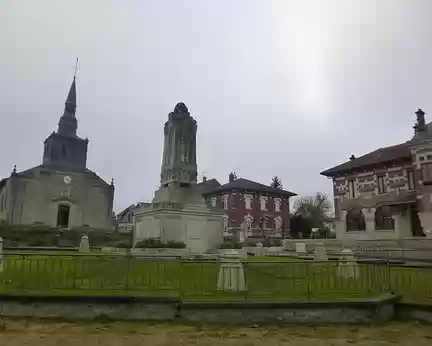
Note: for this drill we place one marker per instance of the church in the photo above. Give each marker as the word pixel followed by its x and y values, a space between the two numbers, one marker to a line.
pixel 61 191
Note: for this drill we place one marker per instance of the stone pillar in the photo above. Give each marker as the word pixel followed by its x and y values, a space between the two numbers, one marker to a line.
pixel 402 225
pixel 1 255
pixel 231 273
pixel 369 215
pixel 426 222
pixel 340 225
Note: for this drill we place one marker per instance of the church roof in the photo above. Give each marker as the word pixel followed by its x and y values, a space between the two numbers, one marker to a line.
pixel 249 185
pixel 30 172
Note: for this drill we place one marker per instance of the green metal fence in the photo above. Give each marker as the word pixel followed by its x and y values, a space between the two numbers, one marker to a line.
pixel 209 280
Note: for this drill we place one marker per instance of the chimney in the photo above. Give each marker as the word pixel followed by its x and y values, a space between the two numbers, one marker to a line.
pixel 352 157
pixel 420 125
pixel 231 177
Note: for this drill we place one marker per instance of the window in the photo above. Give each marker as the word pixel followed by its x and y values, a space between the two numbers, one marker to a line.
pixel 384 219
pixel 225 201
pixel 277 202
pixel 1 205
pixel 263 201
pixel 427 172
pixel 381 184
pixel 213 201
pixel 410 175
pixel 355 220
pixel 248 202
pixel 351 188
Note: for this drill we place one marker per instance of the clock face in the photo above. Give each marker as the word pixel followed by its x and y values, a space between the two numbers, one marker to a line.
pixel 67 179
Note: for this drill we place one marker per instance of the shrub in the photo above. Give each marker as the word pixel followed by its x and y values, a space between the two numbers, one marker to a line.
pixel 157 243
pixel 230 246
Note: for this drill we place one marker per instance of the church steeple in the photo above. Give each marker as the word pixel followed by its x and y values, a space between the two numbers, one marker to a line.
pixel 68 123
pixel 64 148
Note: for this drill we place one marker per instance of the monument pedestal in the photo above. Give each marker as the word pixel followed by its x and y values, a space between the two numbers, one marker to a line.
pixel 185 218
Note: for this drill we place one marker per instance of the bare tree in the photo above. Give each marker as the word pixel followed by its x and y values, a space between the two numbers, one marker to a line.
pixel 316 208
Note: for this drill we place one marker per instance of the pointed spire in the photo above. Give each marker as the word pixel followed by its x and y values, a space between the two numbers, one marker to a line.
pixel 70 105
pixel 68 123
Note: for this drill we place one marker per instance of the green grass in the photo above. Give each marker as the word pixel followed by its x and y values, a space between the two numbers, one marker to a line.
pixel 267 279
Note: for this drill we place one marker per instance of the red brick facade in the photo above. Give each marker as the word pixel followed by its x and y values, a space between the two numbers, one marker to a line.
pixel 236 208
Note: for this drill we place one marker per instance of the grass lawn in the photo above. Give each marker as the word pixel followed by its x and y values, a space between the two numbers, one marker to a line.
pixel 267 279
pixel 23 332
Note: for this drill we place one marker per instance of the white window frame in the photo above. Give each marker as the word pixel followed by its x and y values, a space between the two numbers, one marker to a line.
pixel 225 201
pixel 263 203
pixel 213 201
pixel 277 203
pixel 248 202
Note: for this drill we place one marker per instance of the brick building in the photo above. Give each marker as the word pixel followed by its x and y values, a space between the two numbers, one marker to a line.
pixel 261 207
pixel 386 193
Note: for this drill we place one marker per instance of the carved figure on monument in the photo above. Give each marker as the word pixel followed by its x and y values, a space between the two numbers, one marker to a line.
pixel 182 152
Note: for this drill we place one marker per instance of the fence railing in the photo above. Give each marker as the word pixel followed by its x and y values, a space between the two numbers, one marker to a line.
pixel 210 280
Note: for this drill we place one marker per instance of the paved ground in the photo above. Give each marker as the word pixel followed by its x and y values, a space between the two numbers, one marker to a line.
pixel 36 332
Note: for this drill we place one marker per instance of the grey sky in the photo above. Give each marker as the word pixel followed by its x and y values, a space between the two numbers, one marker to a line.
pixel 287 87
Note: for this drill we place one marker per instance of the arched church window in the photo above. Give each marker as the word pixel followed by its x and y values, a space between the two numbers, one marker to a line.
pixel 384 219
pixel 64 152
pixel 355 220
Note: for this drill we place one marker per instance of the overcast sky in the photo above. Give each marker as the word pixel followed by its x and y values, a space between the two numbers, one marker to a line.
pixel 288 87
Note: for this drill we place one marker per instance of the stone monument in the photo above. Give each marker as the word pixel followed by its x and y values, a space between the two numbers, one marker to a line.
pixel 178 211
pixel 320 253
pixel 259 252
pixel 84 244
pixel 348 266
pixel 231 273
pixel 301 248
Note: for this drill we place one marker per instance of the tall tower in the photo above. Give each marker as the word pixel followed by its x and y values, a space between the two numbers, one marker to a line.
pixel 64 148
pixel 179 165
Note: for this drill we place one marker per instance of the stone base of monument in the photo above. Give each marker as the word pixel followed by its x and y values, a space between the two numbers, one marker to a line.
pixel 301 248
pixel 180 214
pixel 231 273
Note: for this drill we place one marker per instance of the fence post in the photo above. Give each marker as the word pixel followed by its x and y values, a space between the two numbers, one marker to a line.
pixel 308 281
pixel 1 255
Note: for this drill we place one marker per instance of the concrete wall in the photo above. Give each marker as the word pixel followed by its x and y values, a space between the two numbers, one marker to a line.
pixel 37 193
pixel 165 309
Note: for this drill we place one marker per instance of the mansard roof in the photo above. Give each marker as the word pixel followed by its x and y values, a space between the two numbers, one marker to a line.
pixel 380 156
pixel 249 185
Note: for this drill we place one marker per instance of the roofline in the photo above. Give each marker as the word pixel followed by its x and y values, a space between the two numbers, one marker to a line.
pixel 332 173
pixel 282 192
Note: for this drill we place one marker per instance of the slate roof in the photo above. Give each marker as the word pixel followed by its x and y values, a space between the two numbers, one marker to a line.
pixel 209 185
pixel 379 156
pixel 249 185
